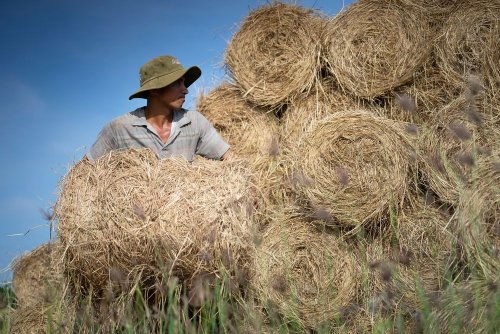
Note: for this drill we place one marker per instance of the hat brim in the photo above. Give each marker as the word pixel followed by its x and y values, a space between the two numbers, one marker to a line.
pixel 190 75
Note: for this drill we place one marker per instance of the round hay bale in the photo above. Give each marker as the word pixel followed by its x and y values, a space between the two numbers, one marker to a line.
pixel 450 144
pixel 477 224
pixel 374 46
pixel 468 43
pixel 353 165
pixel 131 218
pixel 248 130
pixel 37 276
pixel 469 306
pixel 407 260
pixel 275 54
pixel 418 101
pixel 303 275
pixel 324 99
pixel 34 319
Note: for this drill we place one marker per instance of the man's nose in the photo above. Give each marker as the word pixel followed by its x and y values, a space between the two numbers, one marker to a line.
pixel 184 88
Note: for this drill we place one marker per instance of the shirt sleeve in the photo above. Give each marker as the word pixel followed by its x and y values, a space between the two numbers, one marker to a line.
pixel 104 143
pixel 210 145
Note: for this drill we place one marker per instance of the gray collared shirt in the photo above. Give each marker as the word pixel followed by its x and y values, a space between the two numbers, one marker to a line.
pixel 191 134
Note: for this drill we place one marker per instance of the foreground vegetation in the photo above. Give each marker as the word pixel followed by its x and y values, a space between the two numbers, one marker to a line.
pixel 472 306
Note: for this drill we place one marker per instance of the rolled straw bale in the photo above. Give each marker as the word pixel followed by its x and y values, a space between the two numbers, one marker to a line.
pixel 324 99
pixel 408 260
pixel 37 275
pixel 451 141
pixel 353 165
pixel 467 307
pixel 133 218
pixel 275 54
pixel 304 275
pixel 374 46
pixel 418 100
pixel 468 43
pixel 34 319
pixel 477 224
pixel 248 130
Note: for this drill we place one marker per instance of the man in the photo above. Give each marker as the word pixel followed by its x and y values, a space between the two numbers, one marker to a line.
pixel 163 125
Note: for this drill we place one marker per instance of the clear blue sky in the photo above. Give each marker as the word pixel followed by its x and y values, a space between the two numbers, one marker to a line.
pixel 68 67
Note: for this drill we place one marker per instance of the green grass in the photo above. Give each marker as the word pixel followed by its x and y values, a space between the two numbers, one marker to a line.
pixel 470 306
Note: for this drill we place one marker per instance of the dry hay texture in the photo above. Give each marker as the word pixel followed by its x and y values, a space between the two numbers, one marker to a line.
pixel 353 165
pixel 418 101
pixel 449 144
pixel 247 129
pixel 466 307
pixel 407 261
pixel 477 224
pixel 468 43
pixel 374 46
pixel 37 275
pixel 324 99
pixel 275 54
pixel 132 218
pixel 305 275
pixel 34 319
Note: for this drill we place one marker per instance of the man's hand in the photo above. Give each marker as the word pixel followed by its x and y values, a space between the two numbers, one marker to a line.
pixel 228 155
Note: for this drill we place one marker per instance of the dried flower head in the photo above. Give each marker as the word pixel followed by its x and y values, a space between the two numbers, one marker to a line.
pixel 139 212
pixel 412 129
pixel 460 131
pixel 406 103
pixel 280 284
pixel 301 179
pixel 321 213
pixel 342 175
pixel 475 86
pixel 473 115
pixel 274 149
pixel 465 158
pixel 437 163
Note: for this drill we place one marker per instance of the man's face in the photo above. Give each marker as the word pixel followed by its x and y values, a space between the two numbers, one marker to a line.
pixel 174 95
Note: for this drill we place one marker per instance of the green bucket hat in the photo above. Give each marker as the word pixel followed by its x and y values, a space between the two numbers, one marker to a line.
pixel 162 71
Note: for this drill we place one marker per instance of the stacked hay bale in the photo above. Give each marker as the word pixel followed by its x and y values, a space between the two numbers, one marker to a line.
pixel 370 54
pixel 388 114
pixel 343 125
pixel 128 219
pixel 39 286
pixel 276 53
pixel 359 165
pixel 308 277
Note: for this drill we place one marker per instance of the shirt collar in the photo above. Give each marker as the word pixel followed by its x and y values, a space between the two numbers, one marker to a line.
pixel 180 117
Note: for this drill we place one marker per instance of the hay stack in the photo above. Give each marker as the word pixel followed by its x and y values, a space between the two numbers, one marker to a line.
pixel 248 130
pixel 323 100
pixel 353 165
pixel 375 46
pixel 37 275
pixel 275 54
pixel 468 43
pixel 131 218
pixel 306 276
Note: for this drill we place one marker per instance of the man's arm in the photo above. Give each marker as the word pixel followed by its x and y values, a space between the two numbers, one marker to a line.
pixel 210 144
pixel 104 143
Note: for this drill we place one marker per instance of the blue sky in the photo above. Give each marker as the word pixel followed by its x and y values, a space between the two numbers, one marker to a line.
pixel 68 67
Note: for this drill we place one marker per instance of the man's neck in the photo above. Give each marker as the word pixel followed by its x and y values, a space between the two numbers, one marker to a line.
pixel 159 115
